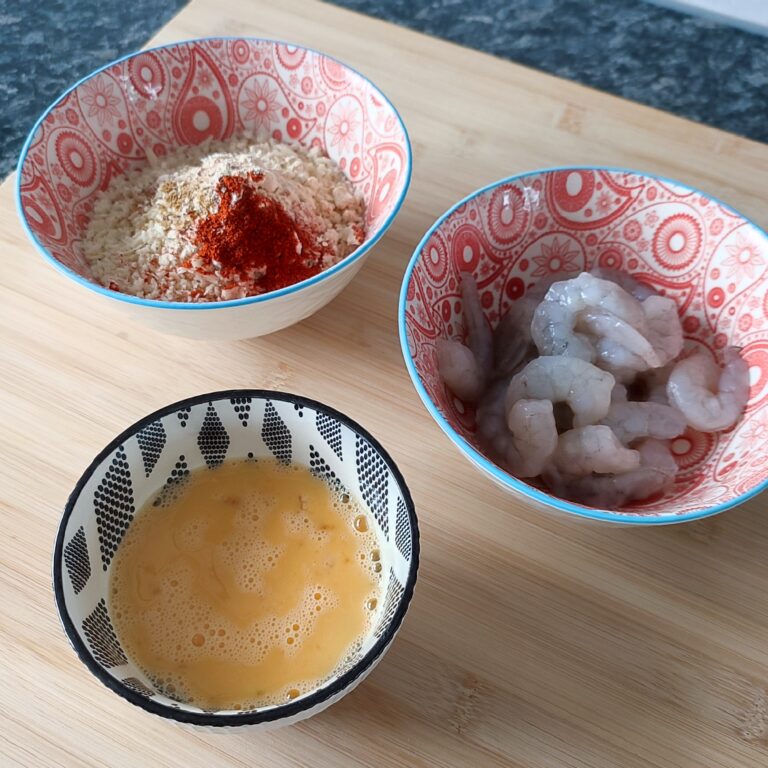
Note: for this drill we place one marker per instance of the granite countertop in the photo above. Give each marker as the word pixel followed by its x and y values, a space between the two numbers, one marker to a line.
pixel 693 67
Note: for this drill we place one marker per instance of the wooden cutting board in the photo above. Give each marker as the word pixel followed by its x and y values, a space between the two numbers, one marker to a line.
pixel 532 640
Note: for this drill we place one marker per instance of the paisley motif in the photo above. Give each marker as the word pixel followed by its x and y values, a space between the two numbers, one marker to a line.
pixel 147 75
pixel 587 200
pixel 389 162
pixel 657 231
pixel 203 109
pixel 182 94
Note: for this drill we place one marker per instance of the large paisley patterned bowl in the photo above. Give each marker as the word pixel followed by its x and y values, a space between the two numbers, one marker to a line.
pixel 684 243
pixel 180 95
pixel 158 452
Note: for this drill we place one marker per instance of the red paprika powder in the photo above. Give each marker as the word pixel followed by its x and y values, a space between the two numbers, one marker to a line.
pixel 251 232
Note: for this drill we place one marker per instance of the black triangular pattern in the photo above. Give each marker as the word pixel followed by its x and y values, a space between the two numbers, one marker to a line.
pixel 213 439
pixel 275 434
pixel 242 407
pixel 168 492
pixel 136 685
pixel 113 502
pixel 102 639
pixel 352 658
pixel 391 601
pixel 373 476
pixel 183 415
pixel 319 466
pixel 330 429
pixel 77 561
pixel 403 530
pixel 151 442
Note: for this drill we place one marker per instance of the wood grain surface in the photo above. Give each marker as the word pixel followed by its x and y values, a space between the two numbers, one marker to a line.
pixel 532 641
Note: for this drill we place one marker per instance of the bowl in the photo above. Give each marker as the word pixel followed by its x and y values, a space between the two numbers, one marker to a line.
pixel 203 431
pixel 712 260
pixel 182 94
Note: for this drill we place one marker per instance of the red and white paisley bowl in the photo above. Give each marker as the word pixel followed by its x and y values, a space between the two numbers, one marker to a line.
pixel 180 95
pixel 687 245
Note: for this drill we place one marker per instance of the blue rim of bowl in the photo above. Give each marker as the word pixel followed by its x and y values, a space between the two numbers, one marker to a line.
pixel 281 711
pixel 158 304
pixel 477 458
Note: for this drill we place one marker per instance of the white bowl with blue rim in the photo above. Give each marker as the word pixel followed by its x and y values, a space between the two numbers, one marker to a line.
pixel 683 242
pixel 201 432
pixel 182 94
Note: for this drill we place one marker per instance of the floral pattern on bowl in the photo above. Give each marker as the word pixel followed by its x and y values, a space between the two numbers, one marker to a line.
pixel 683 243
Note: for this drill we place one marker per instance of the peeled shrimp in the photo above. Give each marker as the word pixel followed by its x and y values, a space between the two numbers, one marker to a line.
pixel 633 287
pixel 665 332
pixel 623 364
pixel 711 399
pixel 512 343
pixel 654 475
pixel 578 385
pixel 479 337
pixel 656 455
pixel 618 394
pixel 459 369
pixel 491 418
pixel 523 441
pixel 633 420
pixel 593 449
pixel 554 323
pixel 553 333
pixel 583 386
pixel 534 437
pixel 619 344
pixel 465 367
pixel 513 346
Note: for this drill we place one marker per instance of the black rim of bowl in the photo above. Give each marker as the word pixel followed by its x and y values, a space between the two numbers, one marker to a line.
pixel 280 711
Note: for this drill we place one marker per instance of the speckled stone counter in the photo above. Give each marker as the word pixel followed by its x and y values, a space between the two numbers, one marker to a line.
pixel 692 67
pixel 48 45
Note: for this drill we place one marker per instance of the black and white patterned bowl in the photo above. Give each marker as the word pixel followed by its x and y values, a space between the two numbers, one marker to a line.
pixel 158 452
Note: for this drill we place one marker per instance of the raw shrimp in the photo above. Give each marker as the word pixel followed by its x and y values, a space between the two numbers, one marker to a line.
pixel 578 385
pixel 619 344
pixel 459 369
pixel 631 285
pixel 534 437
pixel 633 420
pixel 665 332
pixel 654 475
pixel 656 455
pixel 711 399
pixel 524 441
pixel 554 323
pixel 583 386
pixel 512 343
pixel 593 449
pixel 479 337
pixel 513 346
pixel 619 361
pixel 619 394
pixel 553 333
pixel 492 429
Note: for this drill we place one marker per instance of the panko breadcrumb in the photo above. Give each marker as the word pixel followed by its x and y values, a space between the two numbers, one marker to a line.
pixel 140 239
